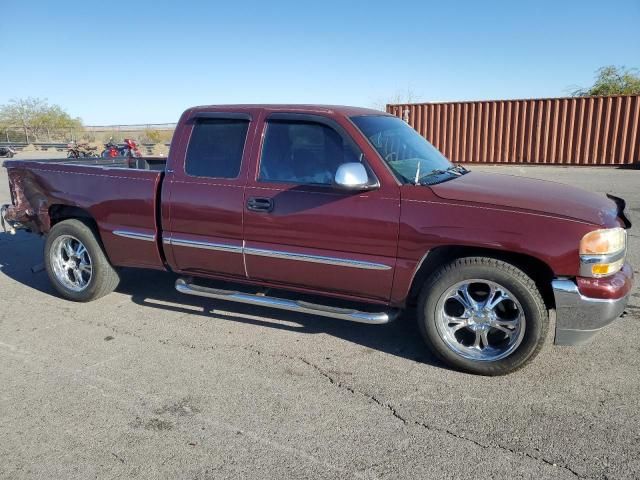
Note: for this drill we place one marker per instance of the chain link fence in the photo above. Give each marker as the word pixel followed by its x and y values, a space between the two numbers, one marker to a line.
pixel 143 133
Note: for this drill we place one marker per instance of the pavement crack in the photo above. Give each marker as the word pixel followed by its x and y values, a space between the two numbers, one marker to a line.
pixel 394 412
pixel 351 390
pixel 498 447
pixel 343 386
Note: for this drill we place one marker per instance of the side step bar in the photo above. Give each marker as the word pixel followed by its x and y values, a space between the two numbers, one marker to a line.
pixel 372 318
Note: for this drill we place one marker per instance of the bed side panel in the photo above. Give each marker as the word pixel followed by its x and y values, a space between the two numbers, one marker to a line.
pixel 121 201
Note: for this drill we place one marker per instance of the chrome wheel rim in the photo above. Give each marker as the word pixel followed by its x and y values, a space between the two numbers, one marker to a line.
pixel 71 263
pixel 480 320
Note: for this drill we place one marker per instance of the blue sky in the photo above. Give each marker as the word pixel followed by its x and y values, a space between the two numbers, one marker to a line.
pixel 146 61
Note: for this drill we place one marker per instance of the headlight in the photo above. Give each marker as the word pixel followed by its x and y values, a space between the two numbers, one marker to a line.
pixel 602 252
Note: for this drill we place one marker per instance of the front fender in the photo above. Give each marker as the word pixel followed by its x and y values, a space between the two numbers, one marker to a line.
pixel 428 224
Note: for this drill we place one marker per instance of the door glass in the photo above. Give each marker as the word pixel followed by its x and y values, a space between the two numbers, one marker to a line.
pixel 303 153
pixel 215 148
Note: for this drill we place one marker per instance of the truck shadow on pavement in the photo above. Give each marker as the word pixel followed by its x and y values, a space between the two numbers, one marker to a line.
pixel 156 290
pixel 153 289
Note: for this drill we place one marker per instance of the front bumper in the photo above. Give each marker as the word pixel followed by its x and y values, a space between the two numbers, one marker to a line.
pixel 579 317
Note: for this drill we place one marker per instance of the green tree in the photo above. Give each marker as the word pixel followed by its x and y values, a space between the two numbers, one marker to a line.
pixel 20 113
pixel 612 80
pixel 53 119
pixel 35 117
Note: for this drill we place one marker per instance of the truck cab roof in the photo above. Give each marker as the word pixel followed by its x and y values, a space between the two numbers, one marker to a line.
pixel 341 110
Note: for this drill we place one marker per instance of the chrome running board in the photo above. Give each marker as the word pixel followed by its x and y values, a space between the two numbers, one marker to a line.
pixel 371 318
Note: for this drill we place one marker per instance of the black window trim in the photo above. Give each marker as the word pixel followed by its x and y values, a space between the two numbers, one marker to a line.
pixel 398 180
pixel 221 116
pixel 322 120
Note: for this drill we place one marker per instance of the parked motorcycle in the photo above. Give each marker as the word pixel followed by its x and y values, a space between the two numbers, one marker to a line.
pixel 73 150
pixel 130 149
pixel 81 150
pixel 111 149
pixel 89 151
pixel 7 152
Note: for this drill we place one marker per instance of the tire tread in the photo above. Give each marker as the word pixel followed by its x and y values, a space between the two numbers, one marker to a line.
pixel 503 366
pixel 105 275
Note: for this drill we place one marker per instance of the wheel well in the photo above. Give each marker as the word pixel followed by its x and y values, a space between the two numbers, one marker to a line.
pixel 539 271
pixel 58 213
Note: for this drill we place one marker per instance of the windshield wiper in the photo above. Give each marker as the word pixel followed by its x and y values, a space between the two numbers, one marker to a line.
pixel 457 170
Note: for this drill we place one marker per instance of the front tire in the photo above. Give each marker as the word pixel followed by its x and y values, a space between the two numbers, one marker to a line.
pixel 483 316
pixel 76 264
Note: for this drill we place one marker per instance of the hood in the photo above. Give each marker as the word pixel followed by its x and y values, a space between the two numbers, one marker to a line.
pixel 530 194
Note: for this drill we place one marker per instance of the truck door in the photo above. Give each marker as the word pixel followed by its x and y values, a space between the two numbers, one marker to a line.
pixel 203 198
pixel 302 231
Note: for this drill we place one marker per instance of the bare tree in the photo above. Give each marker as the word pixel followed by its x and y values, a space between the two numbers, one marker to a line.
pixel 401 96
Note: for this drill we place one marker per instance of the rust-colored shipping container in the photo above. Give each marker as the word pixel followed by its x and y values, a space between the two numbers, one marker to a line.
pixel 565 131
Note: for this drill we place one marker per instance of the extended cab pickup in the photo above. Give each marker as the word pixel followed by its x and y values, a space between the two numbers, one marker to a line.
pixel 339 212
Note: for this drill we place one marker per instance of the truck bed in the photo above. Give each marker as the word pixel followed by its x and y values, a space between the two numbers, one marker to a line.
pixel 120 195
pixel 142 163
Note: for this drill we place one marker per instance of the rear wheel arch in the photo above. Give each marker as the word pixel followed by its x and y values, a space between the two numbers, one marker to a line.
pixel 60 212
pixel 538 270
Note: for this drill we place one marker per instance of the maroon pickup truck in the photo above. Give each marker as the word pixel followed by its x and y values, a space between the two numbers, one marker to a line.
pixel 339 212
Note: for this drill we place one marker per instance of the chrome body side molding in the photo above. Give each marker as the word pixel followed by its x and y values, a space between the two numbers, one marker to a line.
pixel 302 257
pixel 341 262
pixel 372 318
pixel 135 235
pixel 221 247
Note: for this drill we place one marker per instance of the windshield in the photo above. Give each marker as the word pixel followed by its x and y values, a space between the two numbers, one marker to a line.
pixel 408 154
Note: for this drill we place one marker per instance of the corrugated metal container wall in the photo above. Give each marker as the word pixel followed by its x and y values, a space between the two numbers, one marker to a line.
pixel 567 131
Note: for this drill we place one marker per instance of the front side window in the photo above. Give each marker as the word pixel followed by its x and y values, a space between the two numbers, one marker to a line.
pixel 303 152
pixel 215 148
pixel 410 156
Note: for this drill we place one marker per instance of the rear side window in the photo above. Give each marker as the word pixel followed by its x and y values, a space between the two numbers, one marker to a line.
pixel 216 146
pixel 303 152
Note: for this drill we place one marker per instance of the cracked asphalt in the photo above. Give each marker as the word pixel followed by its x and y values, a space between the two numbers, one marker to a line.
pixel 146 383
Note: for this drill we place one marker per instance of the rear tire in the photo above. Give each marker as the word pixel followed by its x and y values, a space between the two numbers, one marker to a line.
pixel 483 316
pixel 76 263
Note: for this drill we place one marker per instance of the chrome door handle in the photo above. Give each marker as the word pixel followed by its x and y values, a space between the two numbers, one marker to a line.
pixel 260 204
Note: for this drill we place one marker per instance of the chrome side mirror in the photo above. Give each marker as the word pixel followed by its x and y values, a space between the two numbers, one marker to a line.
pixel 352 176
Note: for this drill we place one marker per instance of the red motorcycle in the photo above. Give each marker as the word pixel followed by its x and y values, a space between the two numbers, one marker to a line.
pixel 111 149
pixel 130 149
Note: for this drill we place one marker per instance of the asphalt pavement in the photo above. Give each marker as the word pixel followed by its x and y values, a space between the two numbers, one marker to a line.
pixel 146 383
